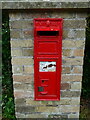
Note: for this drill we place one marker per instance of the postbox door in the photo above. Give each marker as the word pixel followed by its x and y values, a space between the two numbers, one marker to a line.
pixel 47 58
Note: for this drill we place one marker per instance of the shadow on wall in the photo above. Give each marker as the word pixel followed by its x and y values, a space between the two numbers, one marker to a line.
pixel 85 96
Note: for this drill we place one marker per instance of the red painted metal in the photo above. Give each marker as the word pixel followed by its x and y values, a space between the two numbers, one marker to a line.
pixel 47 58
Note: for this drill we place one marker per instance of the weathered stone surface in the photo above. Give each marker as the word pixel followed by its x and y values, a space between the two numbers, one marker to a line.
pixel 20 102
pixel 20 115
pixel 16 52
pixel 15 34
pixel 71 78
pixel 74 115
pixel 68 108
pixel 78 52
pixel 44 4
pixel 73 61
pixel 23 94
pixel 23 78
pixel 76 86
pixel 77 69
pixel 75 101
pixel 70 93
pixel 66 70
pixel 29 69
pixel 22 52
pixel 73 33
pixel 64 15
pixel 65 86
pixel 20 61
pixel 36 115
pixel 28 33
pixel 81 15
pixel 27 52
pixel 58 116
pixel 30 102
pixel 21 24
pixel 20 86
pixel 66 52
pixel 15 16
pixel 17 69
pixel 21 43
pixel 73 44
pixel 73 24
pixel 25 109
pixel 46 109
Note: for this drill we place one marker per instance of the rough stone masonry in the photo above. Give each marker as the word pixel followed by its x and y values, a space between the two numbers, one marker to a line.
pixel 21 33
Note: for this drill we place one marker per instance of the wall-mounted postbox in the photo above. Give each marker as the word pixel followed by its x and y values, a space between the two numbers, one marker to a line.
pixel 47 58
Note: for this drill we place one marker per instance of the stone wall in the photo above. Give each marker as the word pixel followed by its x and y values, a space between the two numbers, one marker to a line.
pixel 21 27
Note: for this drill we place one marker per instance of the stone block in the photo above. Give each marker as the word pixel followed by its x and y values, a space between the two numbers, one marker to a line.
pixel 70 93
pixel 71 78
pixel 21 86
pixel 76 86
pixel 22 94
pixel 21 24
pixel 63 101
pixel 15 16
pixel 58 116
pixel 75 101
pixel 31 102
pixel 17 69
pixel 69 108
pixel 73 33
pixel 25 109
pixel 73 44
pixel 20 102
pixel 22 61
pixel 28 69
pixel 78 52
pixel 66 52
pixel 73 61
pixel 74 23
pixel 74 115
pixel 77 69
pixel 66 70
pixel 27 52
pixel 15 34
pixel 34 14
pixel 16 52
pixel 80 33
pixel 64 14
pixel 27 33
pixel 81 15
pixel 36 115
pixel 20 115
pixel 46 109
pixel 22 52
pixel 65 86
pixel 80 44
pixel 23 78
pixel 21 43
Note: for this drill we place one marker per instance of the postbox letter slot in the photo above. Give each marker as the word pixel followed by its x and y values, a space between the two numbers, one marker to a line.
pixel 48 33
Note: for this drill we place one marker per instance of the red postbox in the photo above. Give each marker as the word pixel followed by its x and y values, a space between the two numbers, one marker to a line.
pixel 47 58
